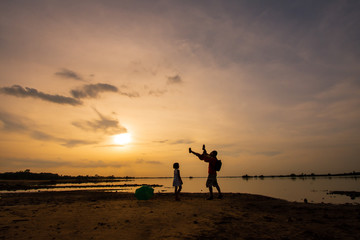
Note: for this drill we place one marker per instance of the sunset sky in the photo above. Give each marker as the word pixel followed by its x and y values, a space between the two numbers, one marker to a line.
pixel 273 86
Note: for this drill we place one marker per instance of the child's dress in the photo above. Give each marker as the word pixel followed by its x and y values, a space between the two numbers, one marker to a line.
pixel 177 182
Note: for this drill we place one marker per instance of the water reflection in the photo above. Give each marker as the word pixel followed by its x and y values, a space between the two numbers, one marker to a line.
pixel 291 189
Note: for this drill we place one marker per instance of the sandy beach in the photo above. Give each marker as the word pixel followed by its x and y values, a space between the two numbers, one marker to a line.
pixel 105 215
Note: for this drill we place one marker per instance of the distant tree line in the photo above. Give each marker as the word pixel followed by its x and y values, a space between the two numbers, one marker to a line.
pixel 302 175
pixel 27 175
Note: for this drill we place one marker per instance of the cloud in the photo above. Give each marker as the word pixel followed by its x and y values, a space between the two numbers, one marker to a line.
pixel 130 94
pixel 13 123
pixel 93 90
pixel 142 161
pixel 174 142
pixel 104 124
pixel 24 163
pixel 174 80
pixel 38 135
pixel 86 91
pixel 66 73
pixel 182 141
pixel 76 142
pixel 96 164
pixel 157 93
pixel 19 91
pixel 160 141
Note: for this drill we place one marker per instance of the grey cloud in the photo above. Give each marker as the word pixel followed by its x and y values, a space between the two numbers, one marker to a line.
pixel 174 80
pixel 13 123
pixel 139 160
pixel 142 161
pixel 182 141
pixel 38 135
pixel 76 142
pixel 130 94
pixel 104 124
pixel 153 162
pixel 157 93
pixel 174 142
pixel 66 73
pixel 161 141
pixel 93 90
pixel 24 163
pixel 19 91
pixel 97 164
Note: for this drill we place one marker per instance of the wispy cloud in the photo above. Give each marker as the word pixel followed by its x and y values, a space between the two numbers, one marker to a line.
pixel 174 142
pixel 24 163
pixel 76 142
pixel 38 135
pixel 19 91
pixel 158 92
pixel 171 80
pixel 130 94
pixel 160 141
pixel 174 79
pixel 142 161
pixel 93 90
pixel 86 91
pixel 12 123
pixel 182 141
pixel 97 164
pixel 104 124
pixel 69 74
pixel 17 124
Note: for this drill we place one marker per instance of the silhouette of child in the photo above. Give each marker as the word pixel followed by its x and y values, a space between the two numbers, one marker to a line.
pixel 177 183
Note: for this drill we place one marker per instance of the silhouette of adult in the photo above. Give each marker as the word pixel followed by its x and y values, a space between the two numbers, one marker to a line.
pixel 211 180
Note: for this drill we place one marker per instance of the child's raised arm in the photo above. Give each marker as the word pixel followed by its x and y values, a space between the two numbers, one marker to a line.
pixel 204 150
pixel 195 153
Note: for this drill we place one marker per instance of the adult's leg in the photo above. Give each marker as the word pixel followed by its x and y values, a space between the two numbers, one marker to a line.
pixel 215 183
pixel 211 193
pixel 218 189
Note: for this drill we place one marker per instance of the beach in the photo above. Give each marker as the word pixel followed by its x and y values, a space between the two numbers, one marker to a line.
pixel 110 215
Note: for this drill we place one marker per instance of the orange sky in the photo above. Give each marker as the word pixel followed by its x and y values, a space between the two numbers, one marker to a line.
pixel 273 87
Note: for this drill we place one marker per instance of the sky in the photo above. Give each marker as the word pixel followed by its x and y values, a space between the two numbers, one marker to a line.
pixel 273 86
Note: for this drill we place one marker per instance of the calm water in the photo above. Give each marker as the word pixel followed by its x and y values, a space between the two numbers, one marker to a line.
pixel 313 189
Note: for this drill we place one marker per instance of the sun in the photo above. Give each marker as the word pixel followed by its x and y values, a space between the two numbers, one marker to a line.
pixel 122 139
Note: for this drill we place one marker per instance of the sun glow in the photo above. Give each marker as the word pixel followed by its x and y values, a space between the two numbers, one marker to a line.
pixel 122 139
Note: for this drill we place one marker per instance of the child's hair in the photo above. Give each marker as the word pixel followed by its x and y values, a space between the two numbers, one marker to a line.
pixel 176 165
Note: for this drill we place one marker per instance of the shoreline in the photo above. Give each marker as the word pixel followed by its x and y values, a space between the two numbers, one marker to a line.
pixel 351 194
pixel 107 215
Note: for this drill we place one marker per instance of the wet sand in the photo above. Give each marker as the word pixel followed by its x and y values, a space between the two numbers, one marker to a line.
pixel 101 215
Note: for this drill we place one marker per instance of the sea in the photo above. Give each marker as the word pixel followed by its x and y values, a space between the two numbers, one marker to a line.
pixel 310 189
